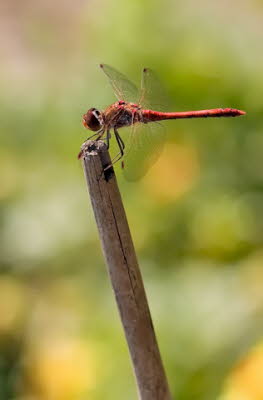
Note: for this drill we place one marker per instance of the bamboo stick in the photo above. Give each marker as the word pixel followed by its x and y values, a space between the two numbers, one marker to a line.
pixel 124 272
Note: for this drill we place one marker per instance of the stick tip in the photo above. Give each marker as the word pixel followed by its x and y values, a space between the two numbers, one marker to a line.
pixel 92 147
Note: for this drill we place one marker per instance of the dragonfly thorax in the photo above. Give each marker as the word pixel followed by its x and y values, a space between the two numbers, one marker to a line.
pixel 121 114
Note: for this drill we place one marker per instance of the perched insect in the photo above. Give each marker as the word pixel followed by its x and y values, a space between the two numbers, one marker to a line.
pixel 137 109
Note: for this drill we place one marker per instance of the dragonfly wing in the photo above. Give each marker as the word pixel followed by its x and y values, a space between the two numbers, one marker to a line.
pixel 123 88
pixel 144 145
pixel 153 95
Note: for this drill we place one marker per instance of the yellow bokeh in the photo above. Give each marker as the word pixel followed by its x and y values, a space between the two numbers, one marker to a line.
pixel 246 381
pixel 174 174
pixel 61 368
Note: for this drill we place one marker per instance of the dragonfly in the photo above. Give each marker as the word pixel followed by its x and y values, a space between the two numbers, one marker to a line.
pixel 140 110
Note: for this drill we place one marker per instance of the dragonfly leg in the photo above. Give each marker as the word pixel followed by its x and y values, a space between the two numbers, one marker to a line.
pixel 119 141
pixel 106 139
pixel 99 134
pixel 90 137
pixel 119 138
pixel 121 147
pixel 108 136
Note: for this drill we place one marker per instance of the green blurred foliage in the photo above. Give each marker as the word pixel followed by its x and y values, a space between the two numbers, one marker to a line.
pixel 196 217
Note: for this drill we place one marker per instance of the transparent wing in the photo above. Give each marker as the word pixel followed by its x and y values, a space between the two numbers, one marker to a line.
pixel 123 88
pixel 144 145
pixel 153 96
pixel 146 141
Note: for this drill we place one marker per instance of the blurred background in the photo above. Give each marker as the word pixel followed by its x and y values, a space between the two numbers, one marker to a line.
pixel 196 217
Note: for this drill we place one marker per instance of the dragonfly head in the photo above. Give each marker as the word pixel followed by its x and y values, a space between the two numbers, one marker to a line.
pixel 92 120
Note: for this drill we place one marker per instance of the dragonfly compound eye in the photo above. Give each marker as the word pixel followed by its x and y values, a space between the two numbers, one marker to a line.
pixel 92 119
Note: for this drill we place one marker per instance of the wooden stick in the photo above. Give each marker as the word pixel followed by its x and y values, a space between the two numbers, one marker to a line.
pixel 124 272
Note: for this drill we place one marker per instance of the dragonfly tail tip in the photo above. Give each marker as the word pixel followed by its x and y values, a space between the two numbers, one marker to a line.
pixel 242 112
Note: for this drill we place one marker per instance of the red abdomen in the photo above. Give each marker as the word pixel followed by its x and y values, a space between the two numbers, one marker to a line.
pixel 150 115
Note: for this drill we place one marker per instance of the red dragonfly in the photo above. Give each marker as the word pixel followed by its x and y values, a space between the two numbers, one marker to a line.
pixel 136 109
